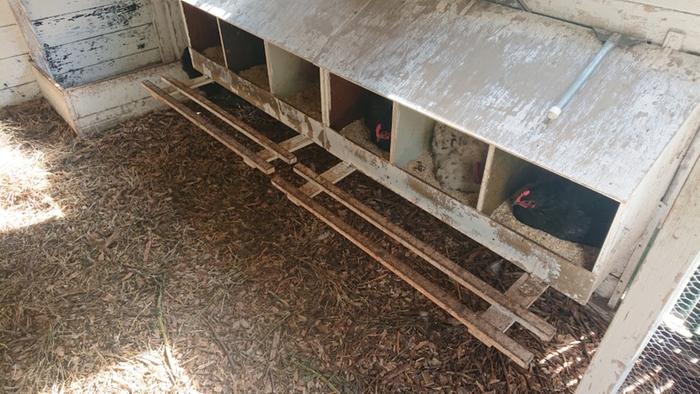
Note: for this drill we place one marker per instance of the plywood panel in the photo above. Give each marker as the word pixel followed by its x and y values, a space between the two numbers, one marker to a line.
pixel 412 135
pixel 96 98
pixel 493 73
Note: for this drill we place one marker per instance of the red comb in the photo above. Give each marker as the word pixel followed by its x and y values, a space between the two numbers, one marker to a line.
pixel 519 200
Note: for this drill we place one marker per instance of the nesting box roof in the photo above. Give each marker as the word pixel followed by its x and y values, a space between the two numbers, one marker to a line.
pixel 493 72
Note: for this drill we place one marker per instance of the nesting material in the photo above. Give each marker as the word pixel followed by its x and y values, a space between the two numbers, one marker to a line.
pixel 308 101
pixel 581 255
pixel 215 54
pixel 257 75
pixel 358 133
pixel 423 168
pixel 458 159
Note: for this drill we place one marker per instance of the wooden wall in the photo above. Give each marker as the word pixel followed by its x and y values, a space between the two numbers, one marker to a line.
pixel 82 41
pixel 17 82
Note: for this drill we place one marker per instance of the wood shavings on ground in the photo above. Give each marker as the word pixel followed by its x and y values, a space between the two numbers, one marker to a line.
pixel 581 255
pixel 358 133
pixel 257 75
pixel 173 261
pixel 423 168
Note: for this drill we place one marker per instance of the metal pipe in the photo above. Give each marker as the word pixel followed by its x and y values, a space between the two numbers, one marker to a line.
pixel 610 43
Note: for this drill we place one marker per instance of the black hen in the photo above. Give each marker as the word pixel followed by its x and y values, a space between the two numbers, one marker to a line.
pixel 378 120
pixel 187 66
pixel 565 210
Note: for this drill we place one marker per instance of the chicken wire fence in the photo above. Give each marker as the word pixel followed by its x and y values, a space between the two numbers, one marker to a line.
pixel 669 362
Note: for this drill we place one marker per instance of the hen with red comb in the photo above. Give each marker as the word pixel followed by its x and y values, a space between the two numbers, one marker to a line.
pixel 565 210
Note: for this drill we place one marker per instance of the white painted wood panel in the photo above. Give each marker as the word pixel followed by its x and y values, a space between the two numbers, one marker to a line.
pixel 493 73
pixel 15 71
pixel 6 16
pixel 70 58
pixel 39 9
pixel 91 22
pixel 111 68
pixel 11 42
pixel 19 94
pixel 91 100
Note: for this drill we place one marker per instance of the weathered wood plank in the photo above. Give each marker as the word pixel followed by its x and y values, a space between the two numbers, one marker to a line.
pixel 96 97
pixel 40 9
pixel 92 22
pixel 15 71
pixel 476 326
pixel 493 73
pixel 55 95
pixel 71 58
pixel 293 144
pixel 170 26
pixel 210 128
pixel 106 70
pixel 525 291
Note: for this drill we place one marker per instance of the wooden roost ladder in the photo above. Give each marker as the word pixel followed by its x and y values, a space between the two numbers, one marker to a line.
pixel 489 327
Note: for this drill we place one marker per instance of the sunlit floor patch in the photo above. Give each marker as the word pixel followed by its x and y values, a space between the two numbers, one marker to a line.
pixel 24 188
pixel 147 372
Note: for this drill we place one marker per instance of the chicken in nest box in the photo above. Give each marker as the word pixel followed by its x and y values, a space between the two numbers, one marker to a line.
pixel 458 159
pixel 565 210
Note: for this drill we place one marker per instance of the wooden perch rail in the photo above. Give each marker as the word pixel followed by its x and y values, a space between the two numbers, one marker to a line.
pixel 527 319
pixel 234 122
pixel 211 129
pixel 478 327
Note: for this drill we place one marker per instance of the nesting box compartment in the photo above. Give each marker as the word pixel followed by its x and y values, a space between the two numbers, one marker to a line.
pixel 295 80
pixel 615 149
pixel 350 108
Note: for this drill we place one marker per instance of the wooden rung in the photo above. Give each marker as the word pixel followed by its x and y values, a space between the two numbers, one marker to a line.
pixel 211 129
pixel 334 175
pixel 484 331
pixel 527 319
pixel 526 290
pixel 293 144
pixel 234 122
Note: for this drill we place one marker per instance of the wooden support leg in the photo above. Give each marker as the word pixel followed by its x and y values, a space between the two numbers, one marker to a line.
pixel 334 175
pixel 526 290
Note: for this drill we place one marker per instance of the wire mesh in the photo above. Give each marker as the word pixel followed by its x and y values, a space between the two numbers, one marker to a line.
pixel 670 362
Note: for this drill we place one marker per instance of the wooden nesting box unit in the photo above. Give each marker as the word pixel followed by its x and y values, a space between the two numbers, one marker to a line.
pixel 488 71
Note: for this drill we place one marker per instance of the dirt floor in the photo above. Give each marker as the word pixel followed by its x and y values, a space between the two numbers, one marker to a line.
pixel 151 259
